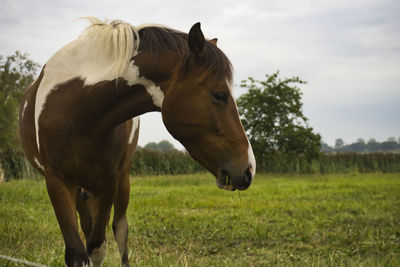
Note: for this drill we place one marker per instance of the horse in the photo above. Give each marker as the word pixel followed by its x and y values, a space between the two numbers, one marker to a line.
pixel 79 122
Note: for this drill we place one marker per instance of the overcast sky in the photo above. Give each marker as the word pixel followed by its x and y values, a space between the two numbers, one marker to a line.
pixel 347 50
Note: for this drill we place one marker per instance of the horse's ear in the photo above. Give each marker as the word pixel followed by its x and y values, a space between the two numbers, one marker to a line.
pixel 196 40
pixel 214 41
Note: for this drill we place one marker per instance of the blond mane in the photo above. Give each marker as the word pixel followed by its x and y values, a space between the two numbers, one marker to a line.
pixel 118 42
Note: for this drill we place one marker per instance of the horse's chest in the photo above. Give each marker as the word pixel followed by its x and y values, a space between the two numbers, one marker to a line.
pixel 84 161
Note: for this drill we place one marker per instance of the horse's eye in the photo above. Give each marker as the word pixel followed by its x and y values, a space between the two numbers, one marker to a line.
pixel 220 97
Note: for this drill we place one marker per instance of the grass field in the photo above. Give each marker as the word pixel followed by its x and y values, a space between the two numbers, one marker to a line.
pixel 351 220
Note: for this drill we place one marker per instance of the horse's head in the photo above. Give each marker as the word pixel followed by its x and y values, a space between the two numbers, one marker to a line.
pixel 200 111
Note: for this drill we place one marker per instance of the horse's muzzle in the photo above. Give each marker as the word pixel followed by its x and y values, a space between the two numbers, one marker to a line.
pixel 227 181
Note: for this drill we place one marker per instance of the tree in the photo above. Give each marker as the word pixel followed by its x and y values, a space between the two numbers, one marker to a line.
pixel 372 141
pixel 372 145
pixel 361 141
pixel 16 74
pixel 358 146
pixel 326 148
pixel 390 144
pixel 271 112
pixel 151 146
pixel 165 146
pixel 339 143
pixel 162 146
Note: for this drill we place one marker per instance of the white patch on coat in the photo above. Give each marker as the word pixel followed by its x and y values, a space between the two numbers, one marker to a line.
pixel 121 231
pixel 101 53
pixel 135 124
pixel 40 166
pixel 98 254
pixel 132 76
pixel 250 154
pixel 23 109
pixel 33 82
pixel 252 160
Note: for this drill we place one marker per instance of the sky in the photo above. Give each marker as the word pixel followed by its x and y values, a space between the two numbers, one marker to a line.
pixel 348 51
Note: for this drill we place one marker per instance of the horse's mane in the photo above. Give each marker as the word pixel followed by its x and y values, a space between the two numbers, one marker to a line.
pixel 118 41
pixel 121 41
pixel 159 39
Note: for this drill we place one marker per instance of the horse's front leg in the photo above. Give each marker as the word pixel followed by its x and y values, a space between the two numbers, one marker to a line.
pixel 103 200
pixel 120 223
pixel 84 206
pixel 62 196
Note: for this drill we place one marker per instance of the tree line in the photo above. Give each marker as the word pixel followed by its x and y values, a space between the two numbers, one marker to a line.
pixel 270 111
pixel 390 145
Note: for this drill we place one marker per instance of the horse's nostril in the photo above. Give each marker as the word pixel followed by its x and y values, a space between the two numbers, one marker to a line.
pixel 248 177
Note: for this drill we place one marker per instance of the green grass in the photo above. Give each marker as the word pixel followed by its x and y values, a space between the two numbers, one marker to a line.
pixel 349 220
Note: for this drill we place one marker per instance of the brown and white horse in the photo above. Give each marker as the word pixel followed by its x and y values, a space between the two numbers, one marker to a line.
pixel 79 122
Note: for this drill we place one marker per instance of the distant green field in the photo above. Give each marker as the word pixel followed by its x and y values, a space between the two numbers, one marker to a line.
pixel 350 220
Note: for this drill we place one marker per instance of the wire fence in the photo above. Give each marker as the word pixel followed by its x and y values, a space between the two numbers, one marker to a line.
pixel 25 262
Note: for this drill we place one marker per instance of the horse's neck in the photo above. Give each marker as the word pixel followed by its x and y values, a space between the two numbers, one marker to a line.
pixel 140 90
pixel 128 101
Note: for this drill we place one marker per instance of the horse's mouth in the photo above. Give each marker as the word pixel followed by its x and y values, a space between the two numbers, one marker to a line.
pixel 224 181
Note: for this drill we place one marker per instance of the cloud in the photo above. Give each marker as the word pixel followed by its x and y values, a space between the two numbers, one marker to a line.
pixel 348 51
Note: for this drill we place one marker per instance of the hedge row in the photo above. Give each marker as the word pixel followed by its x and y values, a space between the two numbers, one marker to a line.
pixel 356 162
pixel 346 162
pixel 146 162
pixel 14 165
